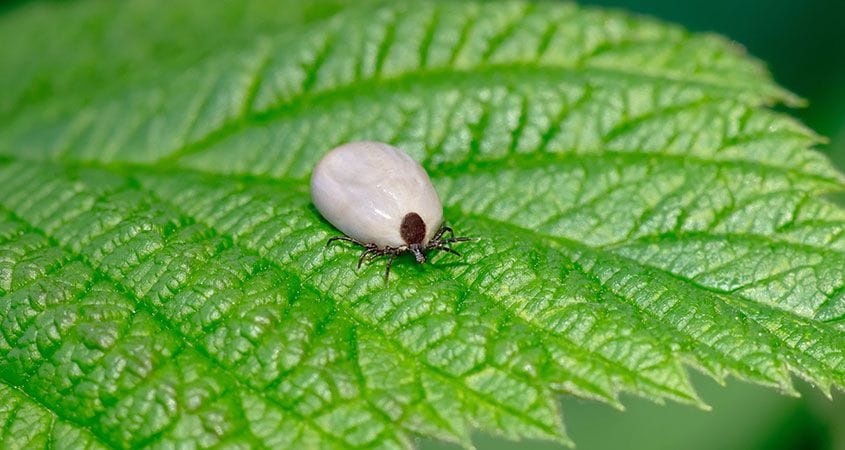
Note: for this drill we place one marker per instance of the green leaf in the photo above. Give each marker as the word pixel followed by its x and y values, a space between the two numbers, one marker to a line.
pixel 28 424
pixel 164 278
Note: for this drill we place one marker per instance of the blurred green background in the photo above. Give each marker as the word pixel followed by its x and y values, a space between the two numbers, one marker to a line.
pixel 744 417
pixel 803 42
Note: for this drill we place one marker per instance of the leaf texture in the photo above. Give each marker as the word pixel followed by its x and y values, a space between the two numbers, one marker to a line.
pixel 164 278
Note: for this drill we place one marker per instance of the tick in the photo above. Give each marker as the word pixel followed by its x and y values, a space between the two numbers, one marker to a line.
pixel 382 200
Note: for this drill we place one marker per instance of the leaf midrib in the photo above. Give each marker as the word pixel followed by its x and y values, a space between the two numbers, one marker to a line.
pixel 299 186
pixel 527 162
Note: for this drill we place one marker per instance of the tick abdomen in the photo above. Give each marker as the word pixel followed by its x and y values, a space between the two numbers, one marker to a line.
pixel 377 194
pixel 382 200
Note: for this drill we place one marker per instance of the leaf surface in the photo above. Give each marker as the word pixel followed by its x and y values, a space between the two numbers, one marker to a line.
pixel 164 277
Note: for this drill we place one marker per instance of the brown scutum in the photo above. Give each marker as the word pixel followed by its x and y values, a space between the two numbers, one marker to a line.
pixel 412 229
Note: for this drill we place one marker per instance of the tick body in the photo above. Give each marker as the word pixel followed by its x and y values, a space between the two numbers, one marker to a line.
pixel 382 200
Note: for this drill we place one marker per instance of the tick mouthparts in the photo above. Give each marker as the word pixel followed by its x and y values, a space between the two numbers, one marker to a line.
pixel 418 254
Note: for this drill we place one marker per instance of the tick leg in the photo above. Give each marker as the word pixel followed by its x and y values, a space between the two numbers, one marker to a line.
pixel 458 239
pixel 443 230
pixel 446 249
pixel 369 251
pixel 387 270
pixel 347 239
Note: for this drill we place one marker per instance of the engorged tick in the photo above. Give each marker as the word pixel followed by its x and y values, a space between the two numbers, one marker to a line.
pixel 382 200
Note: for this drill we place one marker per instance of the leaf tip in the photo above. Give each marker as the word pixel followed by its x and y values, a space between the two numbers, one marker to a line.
pixel 790 99
pixel 565 440
pixel 616 404
pixel 699 403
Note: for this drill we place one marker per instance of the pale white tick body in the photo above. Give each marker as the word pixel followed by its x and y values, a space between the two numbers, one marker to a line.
pixel 381 199
pixel 366 189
